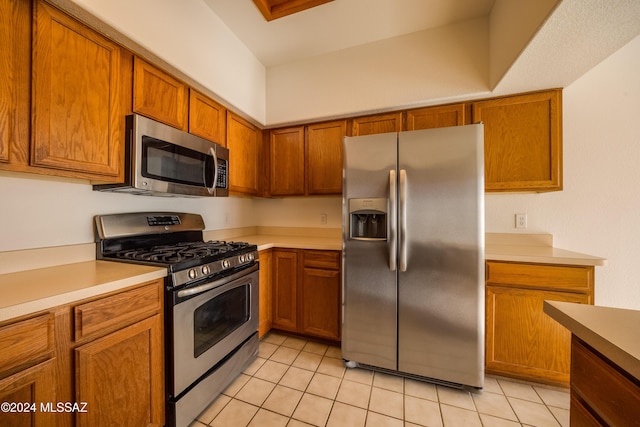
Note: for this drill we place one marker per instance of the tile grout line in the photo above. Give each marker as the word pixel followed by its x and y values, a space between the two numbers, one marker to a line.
pixel 300 349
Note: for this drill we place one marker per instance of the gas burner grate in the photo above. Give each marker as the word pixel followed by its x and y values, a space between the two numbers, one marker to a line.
pixel 181 251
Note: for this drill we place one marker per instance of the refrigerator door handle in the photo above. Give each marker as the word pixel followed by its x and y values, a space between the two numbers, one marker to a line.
pixel 392 222
pixel 402 220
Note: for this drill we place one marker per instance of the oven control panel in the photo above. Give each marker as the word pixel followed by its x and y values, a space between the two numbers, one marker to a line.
pixel 210 269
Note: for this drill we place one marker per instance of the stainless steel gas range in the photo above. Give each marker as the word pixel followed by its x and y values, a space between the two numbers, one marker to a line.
pixel 211 301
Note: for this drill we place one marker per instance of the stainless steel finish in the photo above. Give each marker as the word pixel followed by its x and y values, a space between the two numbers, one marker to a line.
pixel 185 276
pixel 427 318
pixel 133 224
pixel 393 222
pixel 369 333
pixel 210 285
pixel 212 189
pixel 199 397
pixel 139 127
pixel 188 369
pixel 402 220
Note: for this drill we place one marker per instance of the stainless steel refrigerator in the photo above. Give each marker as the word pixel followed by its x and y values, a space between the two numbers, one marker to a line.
pixel 413 254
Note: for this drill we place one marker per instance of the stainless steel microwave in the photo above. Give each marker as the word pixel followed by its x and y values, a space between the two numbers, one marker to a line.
pixel 164 161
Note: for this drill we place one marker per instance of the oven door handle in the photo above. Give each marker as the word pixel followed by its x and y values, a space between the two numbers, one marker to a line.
pixel 210 285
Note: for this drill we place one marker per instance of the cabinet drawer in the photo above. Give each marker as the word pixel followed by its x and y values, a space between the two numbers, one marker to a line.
pixel 110 313
pixel 560 277
pixel 604 388
pixel 322 259
pixel 27 342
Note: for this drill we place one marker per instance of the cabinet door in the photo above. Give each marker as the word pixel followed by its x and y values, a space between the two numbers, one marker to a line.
pixel 524 342
pixel 121 377
pixel 320 296
pixel 159 96
pixel 285 280
pixel 243 142
pixel 207 118
pixel 266 293
pixel 286 147
pixel 324 157
pixel 522 141
pixel 377 124
pixel 436 117
pixel 15 43
pixel 30 388
pixel 78 112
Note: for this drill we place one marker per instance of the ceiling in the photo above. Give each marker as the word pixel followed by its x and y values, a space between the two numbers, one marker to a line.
pixel 338 25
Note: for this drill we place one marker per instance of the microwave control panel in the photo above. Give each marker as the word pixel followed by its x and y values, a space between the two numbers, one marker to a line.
pixel 223 174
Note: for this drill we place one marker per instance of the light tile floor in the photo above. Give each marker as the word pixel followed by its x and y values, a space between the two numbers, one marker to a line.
pixel 297 382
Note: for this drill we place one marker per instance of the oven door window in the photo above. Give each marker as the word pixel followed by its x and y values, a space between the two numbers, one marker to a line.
pixel 218 317
pixel 173 163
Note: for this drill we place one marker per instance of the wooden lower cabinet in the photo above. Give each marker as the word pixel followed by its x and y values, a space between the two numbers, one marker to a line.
pixel 522 341
pixel 112 369
pixel 98 362
pixel 285 287
pixel 602 393
pixel 25 392
pixel 307 292
pixel 119 353
pixel 266 294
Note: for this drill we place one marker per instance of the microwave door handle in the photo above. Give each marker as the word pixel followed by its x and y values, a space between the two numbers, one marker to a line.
pixel 212 189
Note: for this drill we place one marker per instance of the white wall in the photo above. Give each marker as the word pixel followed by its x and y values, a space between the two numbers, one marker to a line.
pixel 189 36
pixel 598 212
pixel 435 65
pixel 39 211
pixel 299 212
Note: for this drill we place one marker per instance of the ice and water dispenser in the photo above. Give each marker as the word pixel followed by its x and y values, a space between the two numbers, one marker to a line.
pixel 368 219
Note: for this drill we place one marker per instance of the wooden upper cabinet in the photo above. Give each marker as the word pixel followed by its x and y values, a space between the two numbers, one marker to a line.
pixel 15 43
pixel 78 116
pixel 436 117
pixel 382 123
pixel 324 157
pixel 159 96
pixel 286 149
pixel 522 141
pixel 207 118
pixel 244 141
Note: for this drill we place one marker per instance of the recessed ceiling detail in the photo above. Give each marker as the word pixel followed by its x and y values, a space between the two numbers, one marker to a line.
pixel 274 9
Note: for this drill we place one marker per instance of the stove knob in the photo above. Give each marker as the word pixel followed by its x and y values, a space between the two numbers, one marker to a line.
pixel 225 263
pixel 193 273
pixel 205 270
pixel 250 257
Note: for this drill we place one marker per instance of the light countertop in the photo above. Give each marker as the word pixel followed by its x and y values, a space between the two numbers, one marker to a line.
pixel 535 248
pixel 611 331
pixel 294 242
pixel 31 283
pixel 31 291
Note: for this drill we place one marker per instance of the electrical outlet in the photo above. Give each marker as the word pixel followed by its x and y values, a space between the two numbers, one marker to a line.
pixel 323 218
pixel 521 220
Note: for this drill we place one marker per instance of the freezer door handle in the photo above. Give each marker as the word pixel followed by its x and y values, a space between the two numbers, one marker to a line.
pixel 402 220
pixel 392 222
